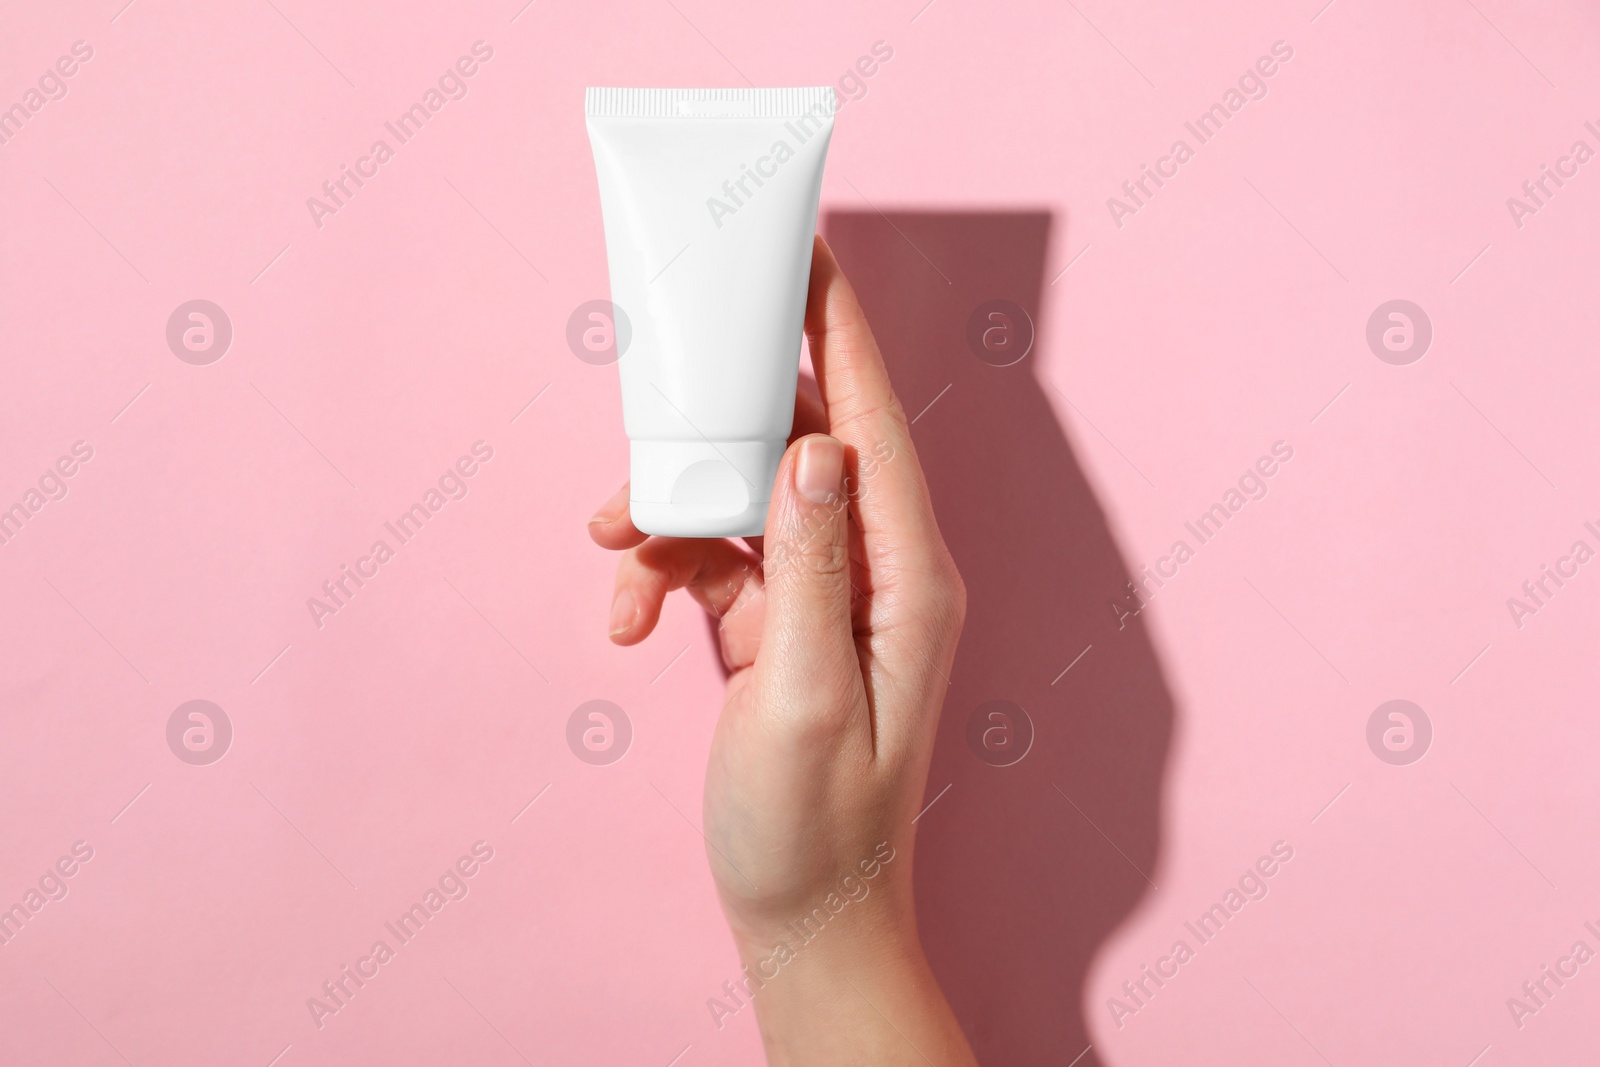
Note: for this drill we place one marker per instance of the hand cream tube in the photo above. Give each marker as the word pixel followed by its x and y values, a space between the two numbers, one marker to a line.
pixel 709 198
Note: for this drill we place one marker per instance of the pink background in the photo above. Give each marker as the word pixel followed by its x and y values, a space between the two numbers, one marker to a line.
pixel 1172 351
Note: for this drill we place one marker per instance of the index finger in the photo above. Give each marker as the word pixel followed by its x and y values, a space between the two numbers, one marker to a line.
pixel 889 496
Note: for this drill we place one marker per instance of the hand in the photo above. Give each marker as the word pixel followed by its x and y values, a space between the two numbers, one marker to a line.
pixel 838 629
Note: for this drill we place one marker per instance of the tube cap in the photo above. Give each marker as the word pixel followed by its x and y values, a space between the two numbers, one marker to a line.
pixel 702 488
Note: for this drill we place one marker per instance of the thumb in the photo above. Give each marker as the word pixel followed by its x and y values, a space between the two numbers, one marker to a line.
pixel 807 643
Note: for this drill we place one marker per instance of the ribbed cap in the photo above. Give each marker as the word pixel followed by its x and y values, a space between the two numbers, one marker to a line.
pixel 599 102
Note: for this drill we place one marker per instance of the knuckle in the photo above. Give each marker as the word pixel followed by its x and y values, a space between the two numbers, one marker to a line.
pixel 814 545
pixel 888 413
pixel 952 605
pixel 943 599
pixel 958 597
pixel 819 557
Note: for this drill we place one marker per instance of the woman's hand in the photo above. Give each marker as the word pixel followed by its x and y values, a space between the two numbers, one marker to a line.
pixel 838 629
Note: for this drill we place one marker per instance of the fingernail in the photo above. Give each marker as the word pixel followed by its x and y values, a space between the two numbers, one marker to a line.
pixel 820 470
pixel 623 611
pixel 599 518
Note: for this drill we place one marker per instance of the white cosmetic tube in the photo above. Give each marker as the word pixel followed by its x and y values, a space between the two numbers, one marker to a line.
pixel 709 198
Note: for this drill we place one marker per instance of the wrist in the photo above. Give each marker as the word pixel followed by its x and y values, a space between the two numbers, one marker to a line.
pixel 847 952
pixel 865 973
pixel 794 910
pixel 837 932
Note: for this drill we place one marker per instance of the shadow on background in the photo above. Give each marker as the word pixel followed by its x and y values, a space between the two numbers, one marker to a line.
pixel 1023 871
